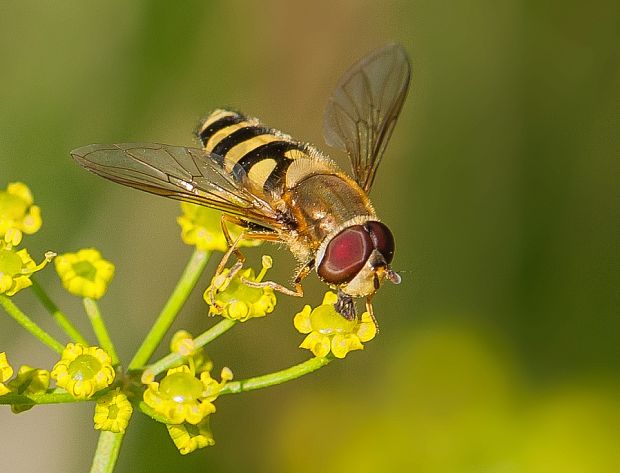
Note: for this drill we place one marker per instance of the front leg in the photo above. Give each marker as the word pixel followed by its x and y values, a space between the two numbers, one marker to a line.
pixel 371 311
pixel 345 306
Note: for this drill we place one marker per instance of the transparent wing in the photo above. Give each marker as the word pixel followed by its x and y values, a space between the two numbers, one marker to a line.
pixel 188 174
pixel 362 111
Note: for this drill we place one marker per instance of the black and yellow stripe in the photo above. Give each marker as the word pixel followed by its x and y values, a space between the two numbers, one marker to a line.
pixel 244 147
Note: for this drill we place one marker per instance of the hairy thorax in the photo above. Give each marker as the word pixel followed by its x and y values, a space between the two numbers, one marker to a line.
pixel 321 204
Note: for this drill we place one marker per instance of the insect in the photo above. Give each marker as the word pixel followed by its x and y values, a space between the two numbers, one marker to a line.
pixel 281 190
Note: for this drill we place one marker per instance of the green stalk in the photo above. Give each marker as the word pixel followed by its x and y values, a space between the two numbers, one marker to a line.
pixel 101 331
pixel 250 384
pixel 52 396
pixel 107 452
pixel 61 319
pixel 200 341
pixel 25 321
pixel 186 283
pixel 278 377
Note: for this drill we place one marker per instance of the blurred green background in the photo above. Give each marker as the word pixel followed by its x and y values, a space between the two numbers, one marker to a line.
pixel 498 353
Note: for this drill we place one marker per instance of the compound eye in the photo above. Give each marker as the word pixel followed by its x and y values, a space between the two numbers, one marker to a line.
pixel 382 239
pixel 346 255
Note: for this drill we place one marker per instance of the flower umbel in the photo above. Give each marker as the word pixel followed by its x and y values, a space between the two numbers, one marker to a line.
pixel 182 397
pixel 83 371
pixel 85 273
pixel 6 371
pixel 16 267
pixel 112 412
pixel 238 301
pixel 18 213
pixel 29 380
pixel 201 227
pixel 189 437
pixel 328 331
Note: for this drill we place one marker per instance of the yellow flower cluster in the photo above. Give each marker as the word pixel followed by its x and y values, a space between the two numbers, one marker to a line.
pixel 189 437
pixel 18 214
pixel 182 397
pixel 328 331
pixel 183 343
pixel 85 273
pixel 16 267
pixel 201 227
pixel 6 371
pixel 185 399
pixel 29 380
pixel 237 301
pixel 83 371
pixel 113 412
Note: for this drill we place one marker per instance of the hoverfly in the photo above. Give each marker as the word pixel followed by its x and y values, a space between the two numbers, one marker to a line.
pixel 281 190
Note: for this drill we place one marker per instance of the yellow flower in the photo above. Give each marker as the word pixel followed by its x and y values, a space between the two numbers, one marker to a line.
pixel 83 371
pixel 182 397
pixel 328 331
pixel 201 227
pixel 28 381
pixel 188 437
pixel 182 342
pixel 238 301
pixel 85 273
pixel 112 412
pixel 16 267
pixel 6 371
pixel 17 213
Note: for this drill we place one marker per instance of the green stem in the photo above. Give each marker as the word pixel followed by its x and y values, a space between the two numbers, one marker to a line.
pixel 278 377
pixel 250 384
pixel 200 341
pixel 51 396
pixel 107 452
pixel 101 331
pixel 61 319
pixel 186 283
pixel 25 321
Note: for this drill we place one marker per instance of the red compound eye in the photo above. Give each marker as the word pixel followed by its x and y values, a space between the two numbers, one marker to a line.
pixel 346 255
pixel 382 239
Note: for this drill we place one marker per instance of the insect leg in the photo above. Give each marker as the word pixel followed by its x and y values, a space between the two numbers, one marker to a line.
pixel 219 280
pixel 230 219
pixel 345 306
pixel 233 247
pixel 301 275
pixel 299 290
pixel 371 311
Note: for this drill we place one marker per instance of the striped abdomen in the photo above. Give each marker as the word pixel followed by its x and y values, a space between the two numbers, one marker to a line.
pixel 250 149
